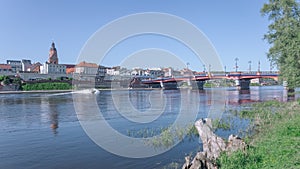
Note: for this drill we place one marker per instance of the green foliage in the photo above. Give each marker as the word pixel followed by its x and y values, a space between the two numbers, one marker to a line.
pixel 240 159
pixel 284 36
pixel 47 86
pixel 209 85
pixel 6 80
pixel 17 81
pixel 219 83
pixel 276 143
pixel 59 78
pixel 254 84
pixel 2 78
pixel 173 165
pixel 220 124
pixel 164 137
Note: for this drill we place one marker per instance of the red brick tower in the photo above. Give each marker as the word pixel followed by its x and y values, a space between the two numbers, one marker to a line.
pixel 53 59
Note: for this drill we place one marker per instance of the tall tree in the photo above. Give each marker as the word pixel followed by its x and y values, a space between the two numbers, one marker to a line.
pixel 284 37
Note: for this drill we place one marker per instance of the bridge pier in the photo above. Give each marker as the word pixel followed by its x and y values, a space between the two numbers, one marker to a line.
pixel 169 85
pixel 243 84
pixel 197 85
pixel 154 85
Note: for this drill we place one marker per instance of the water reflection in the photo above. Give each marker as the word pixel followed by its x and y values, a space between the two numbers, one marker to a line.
pixel 257 94
pixel 238 97
pixel 50 113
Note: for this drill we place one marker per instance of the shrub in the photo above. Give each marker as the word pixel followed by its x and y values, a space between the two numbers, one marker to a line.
pixel 47 86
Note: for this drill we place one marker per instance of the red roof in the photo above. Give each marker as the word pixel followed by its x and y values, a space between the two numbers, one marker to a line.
pixel 86 64
pixel 69 66
pixel 5 66
pixel 70 70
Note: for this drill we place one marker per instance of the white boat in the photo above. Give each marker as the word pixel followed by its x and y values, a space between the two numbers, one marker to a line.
pixel 95 91
pixel 88 91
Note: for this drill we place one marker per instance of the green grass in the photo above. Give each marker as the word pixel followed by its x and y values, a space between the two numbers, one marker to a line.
pixel 220 124
pixel 254 84
pixel 209 85
pixel 276 142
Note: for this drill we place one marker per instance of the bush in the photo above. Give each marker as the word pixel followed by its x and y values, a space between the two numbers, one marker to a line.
pixel 6 80
pixel 47 86
pixel 2 78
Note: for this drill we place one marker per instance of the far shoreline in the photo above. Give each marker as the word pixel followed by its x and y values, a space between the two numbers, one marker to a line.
pixel 71 90
pixel 35 91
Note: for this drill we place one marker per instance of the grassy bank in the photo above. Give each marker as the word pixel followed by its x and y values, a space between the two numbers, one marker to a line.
pixel 276 139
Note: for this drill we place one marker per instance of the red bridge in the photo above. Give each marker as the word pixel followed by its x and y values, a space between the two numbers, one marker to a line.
pixel 242 80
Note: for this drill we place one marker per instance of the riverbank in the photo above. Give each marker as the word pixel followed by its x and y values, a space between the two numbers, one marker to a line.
pixel 35 91
pixel 71 90
pixel 276 139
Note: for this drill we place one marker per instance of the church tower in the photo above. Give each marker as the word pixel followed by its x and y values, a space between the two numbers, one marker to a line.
pixel 53 59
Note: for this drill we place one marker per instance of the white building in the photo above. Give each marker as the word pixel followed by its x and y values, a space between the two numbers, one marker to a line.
pixel 49 68
pixel 26 65
pixel 86 68
pixel 112 72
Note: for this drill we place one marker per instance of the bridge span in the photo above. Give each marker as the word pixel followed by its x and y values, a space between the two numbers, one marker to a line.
pixel 242 80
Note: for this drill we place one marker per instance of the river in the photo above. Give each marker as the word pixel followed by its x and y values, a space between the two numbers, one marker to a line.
pixel 42 130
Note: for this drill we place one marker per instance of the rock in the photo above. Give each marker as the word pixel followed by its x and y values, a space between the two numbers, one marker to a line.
pixel 235 143
pixel 186 165
pixel 213 145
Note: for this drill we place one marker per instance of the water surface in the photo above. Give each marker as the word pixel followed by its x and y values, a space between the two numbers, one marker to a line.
pixel 43 131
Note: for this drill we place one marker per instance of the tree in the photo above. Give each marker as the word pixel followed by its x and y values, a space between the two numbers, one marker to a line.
pixel 6 80
pixel 284 37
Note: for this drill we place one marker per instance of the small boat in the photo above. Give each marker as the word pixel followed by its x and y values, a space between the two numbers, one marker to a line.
pixel 88 91
pixel 95 91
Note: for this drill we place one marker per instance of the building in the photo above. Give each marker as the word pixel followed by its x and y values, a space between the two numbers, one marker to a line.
pixel 186 72
pixel 26 65
pixel 52 66
pixel 5 68
pixel 86 68
pixel 114 71
pixel 168 72
pixel 48 68
pixel 70 68
pixel 35 67
pixel 16 65
pixel 155 72
pixel 53 58
pixel 102 70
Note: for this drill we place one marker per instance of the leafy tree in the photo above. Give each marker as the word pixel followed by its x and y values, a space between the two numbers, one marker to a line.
pixel 6 80
pixel 284 37
pixel 2 77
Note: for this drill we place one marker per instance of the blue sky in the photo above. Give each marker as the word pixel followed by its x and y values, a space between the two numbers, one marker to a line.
pixel 234 27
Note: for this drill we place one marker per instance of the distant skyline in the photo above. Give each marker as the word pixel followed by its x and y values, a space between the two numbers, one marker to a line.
pixel 235 28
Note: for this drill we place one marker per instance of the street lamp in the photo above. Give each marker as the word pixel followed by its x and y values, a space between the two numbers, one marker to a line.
pixel 203 68
pixel 249 62
pixel 236 65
